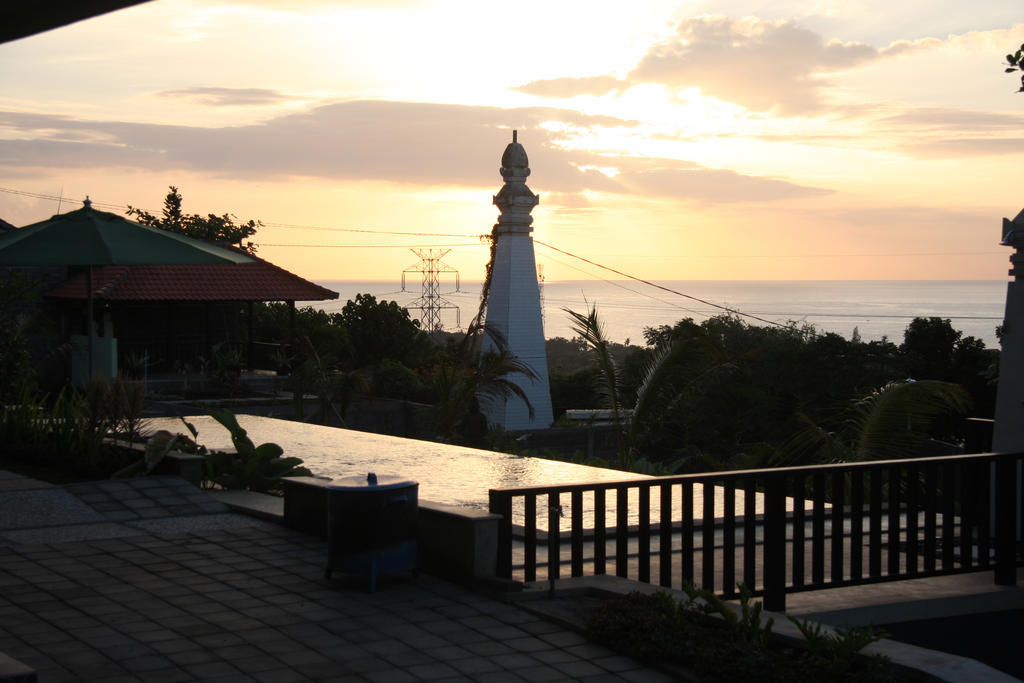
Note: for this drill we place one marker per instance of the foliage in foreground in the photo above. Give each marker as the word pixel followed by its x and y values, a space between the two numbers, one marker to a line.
pixel 736 647
pixel 724 394
pixel 72 430
pixel 255 468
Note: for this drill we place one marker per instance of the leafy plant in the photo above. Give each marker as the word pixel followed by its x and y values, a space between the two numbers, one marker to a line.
pixel 646 626
pixel 1015 62
pixel 891 422
pixel 840 642
pixel 660 629
pixel 836 648
pixel 467 374
pixel 745 625
pixel 128 399
pixel 255 468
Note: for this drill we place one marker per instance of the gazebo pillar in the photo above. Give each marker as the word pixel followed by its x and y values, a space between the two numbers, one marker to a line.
pixel 249 346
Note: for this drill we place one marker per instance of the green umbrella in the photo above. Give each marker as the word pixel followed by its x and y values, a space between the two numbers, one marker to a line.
pixel 88 237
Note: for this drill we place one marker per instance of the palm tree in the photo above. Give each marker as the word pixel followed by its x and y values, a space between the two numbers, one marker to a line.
pixel 660 388
pixel 469 374
pixel 891 422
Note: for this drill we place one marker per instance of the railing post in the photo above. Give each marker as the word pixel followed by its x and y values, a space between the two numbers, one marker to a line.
pixel 1006 522
pixel 775 543
pixel 501 504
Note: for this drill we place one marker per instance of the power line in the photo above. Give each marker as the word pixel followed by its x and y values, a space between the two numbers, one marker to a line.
pixel 369 246
pixel 622 286
pixel 56 198
pixel 294 226
pixel 367 230
pixel 661 287
pixel 780 256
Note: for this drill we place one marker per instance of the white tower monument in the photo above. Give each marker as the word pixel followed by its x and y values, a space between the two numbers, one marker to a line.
pixel 1008 434
pixel 513 308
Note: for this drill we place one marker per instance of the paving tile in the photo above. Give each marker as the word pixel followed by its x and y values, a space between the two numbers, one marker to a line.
pixel 554 656
pixel 504 677
pixel 170 675
pixel 542 673
pixel 488 648
pixel 578 668
pixel 390 676
pixel 299 657
pixel 366 665
pixel 474 666
pixel 218 639
pixel 432 671
pixel 563 638
pixel 208 670
pixel 80 659
pixel 589 651
pixel 646 676
pixel 256 663
pixel 280 675
pixel 503 632
pixel 600 678
pixel 141 665
pixel 156 635
pixel 615 663
pixel 515 661
pixel 192 656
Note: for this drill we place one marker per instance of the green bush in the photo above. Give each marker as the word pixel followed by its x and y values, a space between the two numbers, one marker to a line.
pixel 655 628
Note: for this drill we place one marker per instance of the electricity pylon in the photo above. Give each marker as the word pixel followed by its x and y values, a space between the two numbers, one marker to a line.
pixel 431 303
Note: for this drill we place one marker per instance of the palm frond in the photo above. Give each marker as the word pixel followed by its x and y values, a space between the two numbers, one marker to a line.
pixel 893 420
pixel 814 443
pixel 589 328
pixel 493 374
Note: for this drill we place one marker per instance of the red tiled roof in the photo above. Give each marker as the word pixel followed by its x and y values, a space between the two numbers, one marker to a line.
pixel 256 281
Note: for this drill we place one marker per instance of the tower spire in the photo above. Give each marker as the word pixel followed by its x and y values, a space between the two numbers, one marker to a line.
pixel 513 308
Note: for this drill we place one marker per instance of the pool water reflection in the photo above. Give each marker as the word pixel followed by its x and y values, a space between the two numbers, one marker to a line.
pixel 448 474
pixel 453 475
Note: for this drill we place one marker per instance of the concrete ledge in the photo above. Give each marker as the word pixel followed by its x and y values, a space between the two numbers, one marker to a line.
pixel 188 467
pixel 457 542
pixel 454 542
pixel 260 505
pixel 185 465
pixel 13 671
pixel 305 504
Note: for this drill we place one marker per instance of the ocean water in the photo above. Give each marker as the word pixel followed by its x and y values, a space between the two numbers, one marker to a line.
pixel 875 308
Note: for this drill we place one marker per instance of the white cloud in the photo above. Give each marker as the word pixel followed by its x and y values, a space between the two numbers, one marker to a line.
pixel 226 97
pixel 417 143
pixel 762 65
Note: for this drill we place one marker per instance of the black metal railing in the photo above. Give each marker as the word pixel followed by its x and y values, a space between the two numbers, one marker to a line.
pixel 775 530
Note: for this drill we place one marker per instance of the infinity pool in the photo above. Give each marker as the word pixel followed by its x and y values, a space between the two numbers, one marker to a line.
pixel 448 474
pixel 453 475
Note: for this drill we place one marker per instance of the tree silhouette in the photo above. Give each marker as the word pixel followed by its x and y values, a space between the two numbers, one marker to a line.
pixel 211 227
pixel 1015 62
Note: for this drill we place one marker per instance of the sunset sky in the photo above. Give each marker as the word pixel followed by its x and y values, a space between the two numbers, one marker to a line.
pixel 737 139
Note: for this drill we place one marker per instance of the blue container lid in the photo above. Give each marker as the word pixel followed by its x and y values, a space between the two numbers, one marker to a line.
pixel 370 482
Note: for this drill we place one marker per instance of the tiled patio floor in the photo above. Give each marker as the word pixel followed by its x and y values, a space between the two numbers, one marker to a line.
pixel 150 580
